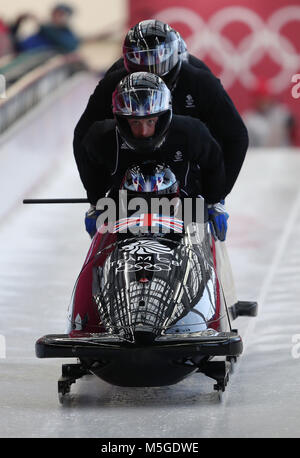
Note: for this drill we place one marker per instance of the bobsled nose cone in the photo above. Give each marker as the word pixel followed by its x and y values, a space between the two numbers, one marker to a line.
pixel 144 337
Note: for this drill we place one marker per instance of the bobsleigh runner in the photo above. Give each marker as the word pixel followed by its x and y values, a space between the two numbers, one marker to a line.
pixel 150 306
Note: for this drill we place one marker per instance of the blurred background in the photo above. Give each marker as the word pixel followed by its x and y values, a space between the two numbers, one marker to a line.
pixel 93 18
pixel 51 59
pixel 253 47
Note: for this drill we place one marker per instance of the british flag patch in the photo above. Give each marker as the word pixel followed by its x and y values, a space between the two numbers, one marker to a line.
pixel 149 220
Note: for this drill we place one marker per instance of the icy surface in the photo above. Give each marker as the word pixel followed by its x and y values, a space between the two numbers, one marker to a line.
pixel 42 249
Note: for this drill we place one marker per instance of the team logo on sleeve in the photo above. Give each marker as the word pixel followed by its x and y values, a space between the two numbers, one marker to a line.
pixel 178 156
pixel 189 101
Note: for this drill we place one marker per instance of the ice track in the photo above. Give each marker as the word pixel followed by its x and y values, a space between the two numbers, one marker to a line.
pixel 42 249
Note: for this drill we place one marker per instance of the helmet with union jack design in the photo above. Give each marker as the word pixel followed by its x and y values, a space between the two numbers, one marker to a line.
pixel 156 185
pixel 142 95
pixel 153 46
pixel 151 178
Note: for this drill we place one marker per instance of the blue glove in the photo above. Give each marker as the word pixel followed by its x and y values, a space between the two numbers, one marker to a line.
pixel 91 219
pixel 218 217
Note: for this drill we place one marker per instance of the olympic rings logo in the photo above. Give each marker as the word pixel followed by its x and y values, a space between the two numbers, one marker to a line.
pixel 237 60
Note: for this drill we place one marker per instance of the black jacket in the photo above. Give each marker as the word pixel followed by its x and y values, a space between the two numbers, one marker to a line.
pixel 189 149
pixel 198 93
pixel 119 64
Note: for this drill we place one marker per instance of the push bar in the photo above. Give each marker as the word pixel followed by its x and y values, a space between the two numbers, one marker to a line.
pixel 55 201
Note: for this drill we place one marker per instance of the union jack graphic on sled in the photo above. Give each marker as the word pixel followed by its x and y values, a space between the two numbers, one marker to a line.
pixel 149 220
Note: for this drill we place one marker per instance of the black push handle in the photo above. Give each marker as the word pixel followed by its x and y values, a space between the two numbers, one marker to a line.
pixel 55 201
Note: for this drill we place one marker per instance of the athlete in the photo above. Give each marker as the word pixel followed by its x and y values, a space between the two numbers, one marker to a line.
pixel 155 47
pixel 144 128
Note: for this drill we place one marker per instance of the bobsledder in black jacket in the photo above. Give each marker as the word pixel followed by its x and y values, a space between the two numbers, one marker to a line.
pixel 155 47
pixel 144 128
pixel 189 149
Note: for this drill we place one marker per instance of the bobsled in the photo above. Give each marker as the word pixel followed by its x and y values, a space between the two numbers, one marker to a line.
pixel 148 307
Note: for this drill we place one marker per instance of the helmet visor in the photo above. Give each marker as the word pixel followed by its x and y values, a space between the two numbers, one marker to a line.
pixel 141 102
pixel 159 60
